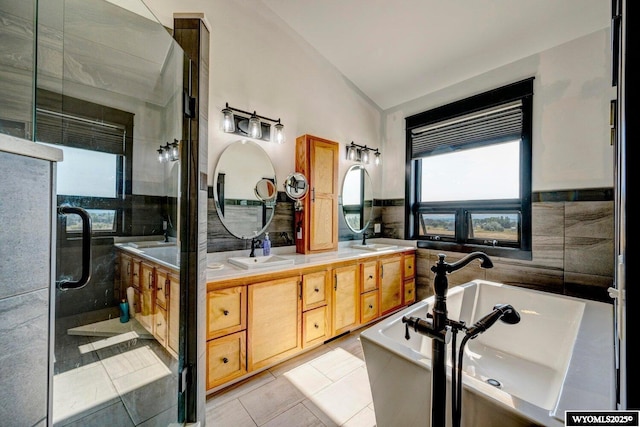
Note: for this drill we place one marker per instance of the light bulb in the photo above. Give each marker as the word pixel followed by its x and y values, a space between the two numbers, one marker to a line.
pixel 352 152
pixel 278 131
pixel 365 156
pixel 228 123
pixel 255 128
pixel 376 160
pixel 160 154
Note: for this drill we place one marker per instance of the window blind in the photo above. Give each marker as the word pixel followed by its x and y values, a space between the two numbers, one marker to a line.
pixel 77 132
pixel 488 126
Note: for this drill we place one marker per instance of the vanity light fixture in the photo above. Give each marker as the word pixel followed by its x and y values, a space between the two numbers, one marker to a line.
pixel 361 153
pixel 169 152
pixel 251 125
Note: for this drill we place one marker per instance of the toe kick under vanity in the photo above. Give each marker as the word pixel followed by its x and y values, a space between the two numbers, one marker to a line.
pixel 259 317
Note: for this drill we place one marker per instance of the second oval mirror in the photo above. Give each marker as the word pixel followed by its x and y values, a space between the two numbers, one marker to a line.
pixel 245 189
pixel 357 198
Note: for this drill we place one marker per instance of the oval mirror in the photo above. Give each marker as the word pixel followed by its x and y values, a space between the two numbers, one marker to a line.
pixel 357 198
pixel 245 197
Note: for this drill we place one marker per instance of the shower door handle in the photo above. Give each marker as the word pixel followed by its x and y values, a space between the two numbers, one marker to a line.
pixel 86 248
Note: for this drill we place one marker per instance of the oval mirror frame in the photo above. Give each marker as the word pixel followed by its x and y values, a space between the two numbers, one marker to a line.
pixel 357 198
pixel 245 198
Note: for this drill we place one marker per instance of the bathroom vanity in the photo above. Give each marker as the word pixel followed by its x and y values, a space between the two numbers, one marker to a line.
pixel 259 317
pixel 151 270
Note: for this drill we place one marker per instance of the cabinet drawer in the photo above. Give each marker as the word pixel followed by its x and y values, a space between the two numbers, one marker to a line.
pixel 314 290
pixel 369 308
pixel 409 291
pixel 315 326
pixel 409 266
pixel 226 311
pixel 226 359
pixel 369 279
pixel 160 325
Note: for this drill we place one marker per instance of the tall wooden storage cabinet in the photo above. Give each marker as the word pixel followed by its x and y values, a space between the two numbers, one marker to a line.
pixel 317 223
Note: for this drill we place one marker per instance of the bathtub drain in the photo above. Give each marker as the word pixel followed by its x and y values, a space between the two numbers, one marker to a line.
pixel 494 382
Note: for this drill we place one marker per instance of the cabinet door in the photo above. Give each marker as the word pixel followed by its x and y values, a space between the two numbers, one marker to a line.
pixel 346 298
pixel 162 287
pixel 315 326
pixel 125 265
pixel 274 319
pixel 390 284
pixel 226 359
pixel 226 311
pixel 409 291
pixel 369 276
pixel 147 281
pixel 323 225
pixel 409 266
pixel 314 290
pixel 173 314
pixel 369 306
pixel 160 326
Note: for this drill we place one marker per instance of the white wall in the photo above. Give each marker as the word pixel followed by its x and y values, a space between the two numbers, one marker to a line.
pixel 258 63
pixel 572 92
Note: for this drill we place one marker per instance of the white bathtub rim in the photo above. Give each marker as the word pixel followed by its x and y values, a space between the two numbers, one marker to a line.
pixel 572 395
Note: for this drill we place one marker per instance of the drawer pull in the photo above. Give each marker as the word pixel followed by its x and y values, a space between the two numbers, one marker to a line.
pixel 316 289
pixel 225 360
pixel 371 306
pixel 410 291
pixel 370 276
pixel 315 325
pixel 225 312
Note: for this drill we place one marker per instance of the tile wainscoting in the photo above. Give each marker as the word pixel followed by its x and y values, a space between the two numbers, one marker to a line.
pixel 572 246
pixel 573 243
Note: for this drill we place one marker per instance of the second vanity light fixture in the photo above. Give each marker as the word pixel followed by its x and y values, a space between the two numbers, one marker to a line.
pixel 169 152
pixel 251 125
pixel 362 153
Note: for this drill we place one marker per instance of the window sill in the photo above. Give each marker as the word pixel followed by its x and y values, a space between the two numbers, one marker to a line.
pixel 489 250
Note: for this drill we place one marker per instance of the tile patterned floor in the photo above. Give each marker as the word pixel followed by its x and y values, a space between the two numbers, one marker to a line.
pixel 328 386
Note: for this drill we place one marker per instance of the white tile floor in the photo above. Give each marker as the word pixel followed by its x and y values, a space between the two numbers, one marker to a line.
pixel 327 386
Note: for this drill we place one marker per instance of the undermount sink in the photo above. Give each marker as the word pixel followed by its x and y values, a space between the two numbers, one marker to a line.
pixel 150 244
pixel 249 263
pixel 374 247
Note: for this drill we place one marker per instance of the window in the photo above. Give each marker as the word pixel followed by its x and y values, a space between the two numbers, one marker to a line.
pixel 469 174
pixel 97 158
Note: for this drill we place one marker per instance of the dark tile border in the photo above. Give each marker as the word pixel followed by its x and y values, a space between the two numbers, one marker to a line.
pixel 581 195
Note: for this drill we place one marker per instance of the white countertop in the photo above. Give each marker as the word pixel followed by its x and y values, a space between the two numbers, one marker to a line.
pixel 223 270
pixel 218 267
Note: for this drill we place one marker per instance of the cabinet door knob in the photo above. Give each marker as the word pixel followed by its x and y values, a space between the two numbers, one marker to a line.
pixel 225 360
pixel 315 325
pixel 316 289
pixel 225 312
pixel 370 276
pixel 370 305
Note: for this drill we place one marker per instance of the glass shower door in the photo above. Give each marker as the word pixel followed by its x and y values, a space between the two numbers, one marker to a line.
pixel 109 95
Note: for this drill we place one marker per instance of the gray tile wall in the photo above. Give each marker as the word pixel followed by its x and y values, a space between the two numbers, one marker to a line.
pixel 573 252
pixel 25 272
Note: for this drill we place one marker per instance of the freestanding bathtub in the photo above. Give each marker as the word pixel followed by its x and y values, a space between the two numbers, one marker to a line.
pixel 559 357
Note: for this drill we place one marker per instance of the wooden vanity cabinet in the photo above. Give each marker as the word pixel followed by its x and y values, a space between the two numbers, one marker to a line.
pixel 345 298
pixel 315 311
pixel 409 295
pixel 369 293
pixel 391 292
pixel 226 335
pixel 317 223
pixel 156 297
pixel 274 321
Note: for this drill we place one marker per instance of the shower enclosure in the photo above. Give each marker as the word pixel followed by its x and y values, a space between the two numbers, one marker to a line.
pixel 103 82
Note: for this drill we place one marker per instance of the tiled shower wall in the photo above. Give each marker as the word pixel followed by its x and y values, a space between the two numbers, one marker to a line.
pixel 573 251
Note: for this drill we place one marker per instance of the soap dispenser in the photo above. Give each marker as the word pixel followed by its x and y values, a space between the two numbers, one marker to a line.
pixel 266 245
